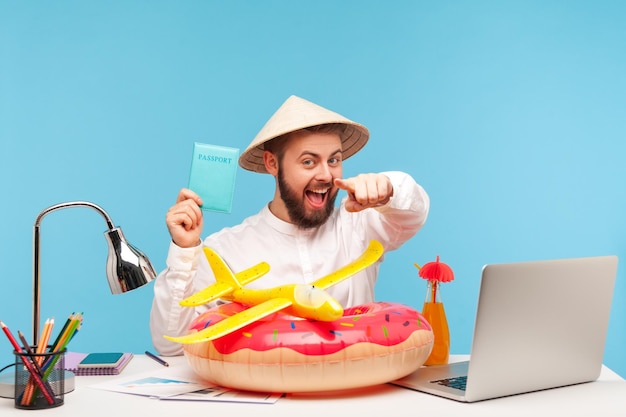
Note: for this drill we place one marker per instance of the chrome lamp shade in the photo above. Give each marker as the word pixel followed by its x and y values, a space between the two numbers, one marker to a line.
pixel 127 267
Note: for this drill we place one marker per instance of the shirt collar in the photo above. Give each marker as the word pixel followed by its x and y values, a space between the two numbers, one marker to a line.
pixel 281 225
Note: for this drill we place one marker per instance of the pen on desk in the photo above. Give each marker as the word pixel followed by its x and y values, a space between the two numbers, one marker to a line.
pixel 156 358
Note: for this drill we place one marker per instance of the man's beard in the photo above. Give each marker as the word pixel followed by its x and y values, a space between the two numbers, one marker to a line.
pixel 296 210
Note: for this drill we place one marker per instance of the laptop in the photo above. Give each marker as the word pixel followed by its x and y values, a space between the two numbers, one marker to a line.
pixel 539 325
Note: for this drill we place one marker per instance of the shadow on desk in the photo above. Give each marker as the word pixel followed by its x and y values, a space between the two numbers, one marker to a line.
pixel 356 393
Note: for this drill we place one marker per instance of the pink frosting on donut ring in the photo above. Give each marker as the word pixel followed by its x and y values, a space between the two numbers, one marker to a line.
pixel 370 344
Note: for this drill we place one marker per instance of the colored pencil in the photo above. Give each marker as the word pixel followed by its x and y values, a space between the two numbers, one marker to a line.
pixel 29 350
pixel 29 366
pixel 67 323
pixel 62 341
pixel 29 390
pixel 69 332
pixel 45 336
pixel 41 348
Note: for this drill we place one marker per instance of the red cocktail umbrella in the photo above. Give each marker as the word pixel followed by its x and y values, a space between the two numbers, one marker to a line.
pixel 436 271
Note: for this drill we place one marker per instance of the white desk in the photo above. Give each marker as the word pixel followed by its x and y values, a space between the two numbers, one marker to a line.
pixel 607 396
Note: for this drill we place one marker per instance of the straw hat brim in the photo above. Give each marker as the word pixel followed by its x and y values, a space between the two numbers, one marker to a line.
pixel 297 113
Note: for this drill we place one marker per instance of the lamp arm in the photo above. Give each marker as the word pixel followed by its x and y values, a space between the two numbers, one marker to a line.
pixel 75 204
pixel 36 251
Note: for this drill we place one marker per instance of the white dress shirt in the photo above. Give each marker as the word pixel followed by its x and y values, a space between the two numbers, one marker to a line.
pixel 294 256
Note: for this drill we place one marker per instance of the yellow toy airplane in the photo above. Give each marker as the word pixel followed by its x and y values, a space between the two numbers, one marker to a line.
pixel 307 301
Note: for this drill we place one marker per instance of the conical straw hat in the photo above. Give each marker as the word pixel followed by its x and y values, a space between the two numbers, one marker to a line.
pixel 297 113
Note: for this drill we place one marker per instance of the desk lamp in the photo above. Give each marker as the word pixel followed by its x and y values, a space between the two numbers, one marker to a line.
pixel 127 267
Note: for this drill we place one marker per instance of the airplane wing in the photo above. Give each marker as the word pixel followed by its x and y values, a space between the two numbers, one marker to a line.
pixel 232 323
pixel 226 283
pixel 373 252
pixel 248 275
pixel 224 274
pixel 210 293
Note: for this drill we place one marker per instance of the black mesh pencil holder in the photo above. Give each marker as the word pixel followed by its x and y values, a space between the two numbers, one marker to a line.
pixel 39 379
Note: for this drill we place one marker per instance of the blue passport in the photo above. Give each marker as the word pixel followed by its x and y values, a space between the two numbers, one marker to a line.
pixel 212 177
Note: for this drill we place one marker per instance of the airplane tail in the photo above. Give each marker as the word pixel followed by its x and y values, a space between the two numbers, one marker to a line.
pixel 226 280
pixel 221 271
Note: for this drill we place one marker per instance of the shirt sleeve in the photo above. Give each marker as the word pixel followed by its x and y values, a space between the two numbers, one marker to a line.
pixel 167 316
pixel 403 216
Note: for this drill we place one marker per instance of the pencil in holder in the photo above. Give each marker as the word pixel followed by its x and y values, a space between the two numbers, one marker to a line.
pixel 39 379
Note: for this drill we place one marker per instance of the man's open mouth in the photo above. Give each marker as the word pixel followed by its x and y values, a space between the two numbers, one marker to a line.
pixel 317 197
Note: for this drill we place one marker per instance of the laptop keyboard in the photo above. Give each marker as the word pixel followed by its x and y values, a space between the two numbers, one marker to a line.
pixel 458 382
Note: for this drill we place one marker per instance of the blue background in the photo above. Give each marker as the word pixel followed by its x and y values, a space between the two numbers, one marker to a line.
pixel 510 114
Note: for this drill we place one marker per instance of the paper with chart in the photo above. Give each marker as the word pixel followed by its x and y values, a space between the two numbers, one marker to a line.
pixel 180 383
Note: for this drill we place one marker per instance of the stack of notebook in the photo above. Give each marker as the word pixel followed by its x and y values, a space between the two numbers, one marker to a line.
pixel 72 359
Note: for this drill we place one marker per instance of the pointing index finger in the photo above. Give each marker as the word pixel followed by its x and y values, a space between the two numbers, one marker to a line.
pixel 344 184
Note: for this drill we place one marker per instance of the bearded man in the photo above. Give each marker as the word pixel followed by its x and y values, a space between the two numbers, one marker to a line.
pixel 301 232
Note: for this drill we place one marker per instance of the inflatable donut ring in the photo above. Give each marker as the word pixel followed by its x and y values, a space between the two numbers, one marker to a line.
pixel 370 344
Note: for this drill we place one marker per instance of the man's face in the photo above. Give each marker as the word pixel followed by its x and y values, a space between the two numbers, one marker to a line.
pixel 305 177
